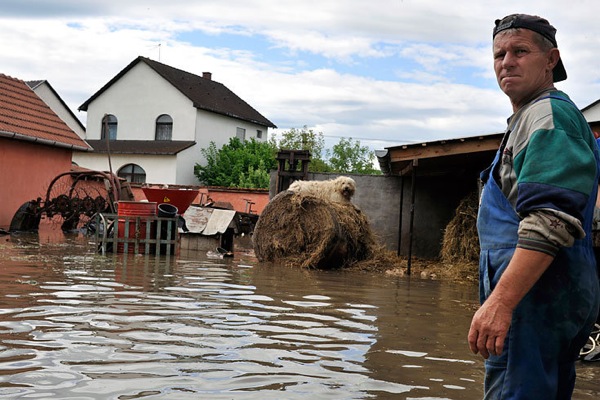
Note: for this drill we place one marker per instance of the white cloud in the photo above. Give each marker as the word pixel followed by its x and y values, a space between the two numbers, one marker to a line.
pixel 438 81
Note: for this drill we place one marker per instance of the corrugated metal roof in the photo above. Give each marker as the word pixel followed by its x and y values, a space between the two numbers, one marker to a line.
pixel 205 93
pixel 25 116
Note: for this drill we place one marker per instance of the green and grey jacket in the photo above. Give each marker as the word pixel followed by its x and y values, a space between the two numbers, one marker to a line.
pixel 548 171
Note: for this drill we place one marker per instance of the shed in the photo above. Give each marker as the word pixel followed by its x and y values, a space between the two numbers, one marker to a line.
pixel 435 177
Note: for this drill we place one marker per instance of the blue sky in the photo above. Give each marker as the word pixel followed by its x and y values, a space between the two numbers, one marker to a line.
pixel 383 72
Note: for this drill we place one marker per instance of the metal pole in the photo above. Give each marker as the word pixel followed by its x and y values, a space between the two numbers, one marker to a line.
pixel 412 214
pixel 400 216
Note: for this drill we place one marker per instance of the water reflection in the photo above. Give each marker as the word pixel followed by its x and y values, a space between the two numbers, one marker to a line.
pixel 77 325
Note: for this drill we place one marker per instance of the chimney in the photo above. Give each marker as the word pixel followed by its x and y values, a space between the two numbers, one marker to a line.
pixel 207 75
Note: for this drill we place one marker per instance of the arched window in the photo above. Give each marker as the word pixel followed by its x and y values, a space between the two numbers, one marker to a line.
pixel 109 123
pixel 240 133
pixel 133 173
pixel 164 127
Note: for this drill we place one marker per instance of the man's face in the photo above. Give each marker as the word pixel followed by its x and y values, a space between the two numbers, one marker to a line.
pixel 522 69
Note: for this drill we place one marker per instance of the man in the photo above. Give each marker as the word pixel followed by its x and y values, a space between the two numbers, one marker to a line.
pixel 538 281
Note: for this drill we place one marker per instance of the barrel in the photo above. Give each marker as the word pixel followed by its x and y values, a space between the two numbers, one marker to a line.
pixel 166 210
pixel 133 209
pixel 168 230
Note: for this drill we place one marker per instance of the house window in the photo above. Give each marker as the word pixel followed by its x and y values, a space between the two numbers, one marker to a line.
pixel 164 127
pixel 241 134
pixel 133 173
pixel 109 124
pixel 258 134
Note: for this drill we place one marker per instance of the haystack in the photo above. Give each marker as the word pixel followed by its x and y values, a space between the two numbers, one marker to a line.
pixel 461 243
pixel 306 231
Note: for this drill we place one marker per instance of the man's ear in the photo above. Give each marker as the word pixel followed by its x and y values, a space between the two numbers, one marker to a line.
pixel 553 58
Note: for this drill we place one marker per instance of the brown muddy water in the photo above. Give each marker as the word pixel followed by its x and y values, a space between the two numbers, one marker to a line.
pixel 78 325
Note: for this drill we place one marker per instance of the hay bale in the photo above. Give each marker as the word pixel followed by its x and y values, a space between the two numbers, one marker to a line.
pixel 461 242
pixel 306 231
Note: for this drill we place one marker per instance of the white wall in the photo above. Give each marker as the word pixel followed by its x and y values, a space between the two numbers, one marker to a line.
pixel 592 114
pixel 45 93
pixel 159 169
pixel 216 128
pixel 137 99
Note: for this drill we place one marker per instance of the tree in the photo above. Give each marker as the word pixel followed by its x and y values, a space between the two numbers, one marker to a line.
pixel 238 164
pixel 248 163
pixel 306 139
pixel 348 156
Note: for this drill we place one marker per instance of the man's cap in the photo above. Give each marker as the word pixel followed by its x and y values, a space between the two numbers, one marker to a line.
pixel 536 24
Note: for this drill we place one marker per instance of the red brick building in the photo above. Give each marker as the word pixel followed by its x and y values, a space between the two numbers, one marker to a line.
pixel 35 146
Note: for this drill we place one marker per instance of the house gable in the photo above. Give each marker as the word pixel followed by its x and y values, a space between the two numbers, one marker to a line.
pixel 46 92
pixel 204 93
pixel 136 101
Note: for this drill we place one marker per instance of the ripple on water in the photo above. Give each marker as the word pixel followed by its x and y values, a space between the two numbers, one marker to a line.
pixel 82 326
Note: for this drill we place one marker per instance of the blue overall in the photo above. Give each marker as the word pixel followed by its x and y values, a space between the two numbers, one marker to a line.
pixel 553 321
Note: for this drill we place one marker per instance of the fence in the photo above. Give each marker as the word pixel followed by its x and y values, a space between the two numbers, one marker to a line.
pixel 136 234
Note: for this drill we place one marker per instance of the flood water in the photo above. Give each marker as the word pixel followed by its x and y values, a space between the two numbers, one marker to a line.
pixel 78 325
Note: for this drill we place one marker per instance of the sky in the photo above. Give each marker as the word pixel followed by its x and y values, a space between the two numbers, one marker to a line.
pixel 383 72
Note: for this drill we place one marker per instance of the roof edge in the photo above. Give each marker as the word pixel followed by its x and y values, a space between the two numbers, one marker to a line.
pixel 115 78
pixel 18 136
pixel 270 125
pixel 140 149
pixel 446 141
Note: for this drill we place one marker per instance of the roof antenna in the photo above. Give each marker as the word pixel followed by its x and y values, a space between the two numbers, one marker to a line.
pixel 151 48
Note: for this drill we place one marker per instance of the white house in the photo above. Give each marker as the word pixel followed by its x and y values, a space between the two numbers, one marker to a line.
pixel 46 92
pixel 151 121
pixel 592 115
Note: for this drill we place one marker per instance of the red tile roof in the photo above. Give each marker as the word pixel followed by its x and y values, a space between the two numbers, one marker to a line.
pixel 25 116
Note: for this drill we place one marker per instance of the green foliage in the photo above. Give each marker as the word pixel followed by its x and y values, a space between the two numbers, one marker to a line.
pixel 247 164
pixel 255 177
pixel 238 164
pixel 348 156
pixel 304 139
pixel 307 139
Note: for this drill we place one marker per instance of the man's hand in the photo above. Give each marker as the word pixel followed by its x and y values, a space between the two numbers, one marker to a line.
pixel 489 328
pixel 490 323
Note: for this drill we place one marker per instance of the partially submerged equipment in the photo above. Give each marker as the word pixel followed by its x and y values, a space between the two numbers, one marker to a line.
pixel 310 232
pixel 176 195
pixel 75 197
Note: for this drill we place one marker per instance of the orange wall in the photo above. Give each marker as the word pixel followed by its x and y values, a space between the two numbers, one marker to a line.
pixel 26 170
pixel 234 196
pixel 237 198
